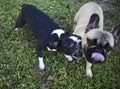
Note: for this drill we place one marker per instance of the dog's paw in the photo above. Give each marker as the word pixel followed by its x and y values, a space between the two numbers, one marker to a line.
pixel 89 73
pixel 69 57
pixel 41 64
pixel 16 29
pixel 41 67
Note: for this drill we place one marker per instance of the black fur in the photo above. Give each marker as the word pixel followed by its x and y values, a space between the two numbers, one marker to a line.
pixel 41 27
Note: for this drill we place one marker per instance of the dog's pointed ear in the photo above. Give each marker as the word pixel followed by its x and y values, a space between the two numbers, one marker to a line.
pixel 55 44
pixel 116 33
pixel 93 23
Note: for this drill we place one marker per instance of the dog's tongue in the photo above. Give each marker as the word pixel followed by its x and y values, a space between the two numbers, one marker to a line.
pixel 98 57
pixel 78 55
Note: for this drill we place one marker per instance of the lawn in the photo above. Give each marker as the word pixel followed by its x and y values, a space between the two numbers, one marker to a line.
pixel 18 58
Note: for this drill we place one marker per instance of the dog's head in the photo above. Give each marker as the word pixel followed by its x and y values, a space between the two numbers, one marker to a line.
pixel 69 44
pixel 98 43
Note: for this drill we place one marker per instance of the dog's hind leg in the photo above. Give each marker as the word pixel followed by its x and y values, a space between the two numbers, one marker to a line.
pixel 88 69
pixel 19 22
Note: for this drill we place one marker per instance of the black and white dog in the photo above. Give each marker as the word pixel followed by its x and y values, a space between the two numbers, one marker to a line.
pixel 96 42
pixel 48 34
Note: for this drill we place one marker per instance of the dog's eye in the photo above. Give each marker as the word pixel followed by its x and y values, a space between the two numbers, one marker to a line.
pixel 91 41
pixel 107 47
pixel 72 45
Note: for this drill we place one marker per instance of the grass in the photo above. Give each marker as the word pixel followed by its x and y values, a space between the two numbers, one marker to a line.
pixel 18 58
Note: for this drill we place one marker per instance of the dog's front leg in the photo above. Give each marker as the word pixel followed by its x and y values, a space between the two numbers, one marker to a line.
pixel 88 69
pixel 41 63
pixel 40 58
pixel 68 57
pixel 19 22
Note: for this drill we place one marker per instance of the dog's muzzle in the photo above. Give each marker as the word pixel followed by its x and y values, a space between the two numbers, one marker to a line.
pixel 95 55
pixel 77 54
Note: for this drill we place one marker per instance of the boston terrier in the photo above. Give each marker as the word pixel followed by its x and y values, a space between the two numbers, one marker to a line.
pixel 48 34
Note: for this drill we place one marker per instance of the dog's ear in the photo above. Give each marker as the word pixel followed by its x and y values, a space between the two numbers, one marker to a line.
pixel 93 23
pixel 116 33
pixel 55 44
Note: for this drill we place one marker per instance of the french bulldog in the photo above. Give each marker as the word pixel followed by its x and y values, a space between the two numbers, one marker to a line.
pixel 96 42
pixel 48 34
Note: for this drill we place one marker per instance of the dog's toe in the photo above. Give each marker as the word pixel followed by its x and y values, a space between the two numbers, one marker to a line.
pixel 89 73
pixel 68 57
pixel 16 29
pixel 41 67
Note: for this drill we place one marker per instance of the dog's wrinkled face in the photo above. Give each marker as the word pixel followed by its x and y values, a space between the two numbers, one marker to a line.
pixel 97 48
pixel 69 44
pixel 97 43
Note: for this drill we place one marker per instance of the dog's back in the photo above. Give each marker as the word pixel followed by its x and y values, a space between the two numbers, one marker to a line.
pixel 82 17
pixel 39 23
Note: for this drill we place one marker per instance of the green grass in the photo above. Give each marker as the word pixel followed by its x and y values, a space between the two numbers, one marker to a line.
pixel 18 58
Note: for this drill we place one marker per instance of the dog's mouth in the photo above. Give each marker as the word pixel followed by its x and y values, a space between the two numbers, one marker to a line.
pixel 77 55
pixel 98 57
pixel 95 55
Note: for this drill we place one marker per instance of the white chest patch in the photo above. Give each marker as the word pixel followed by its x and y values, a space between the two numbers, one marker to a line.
pixel 58 32
pixel 51 49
